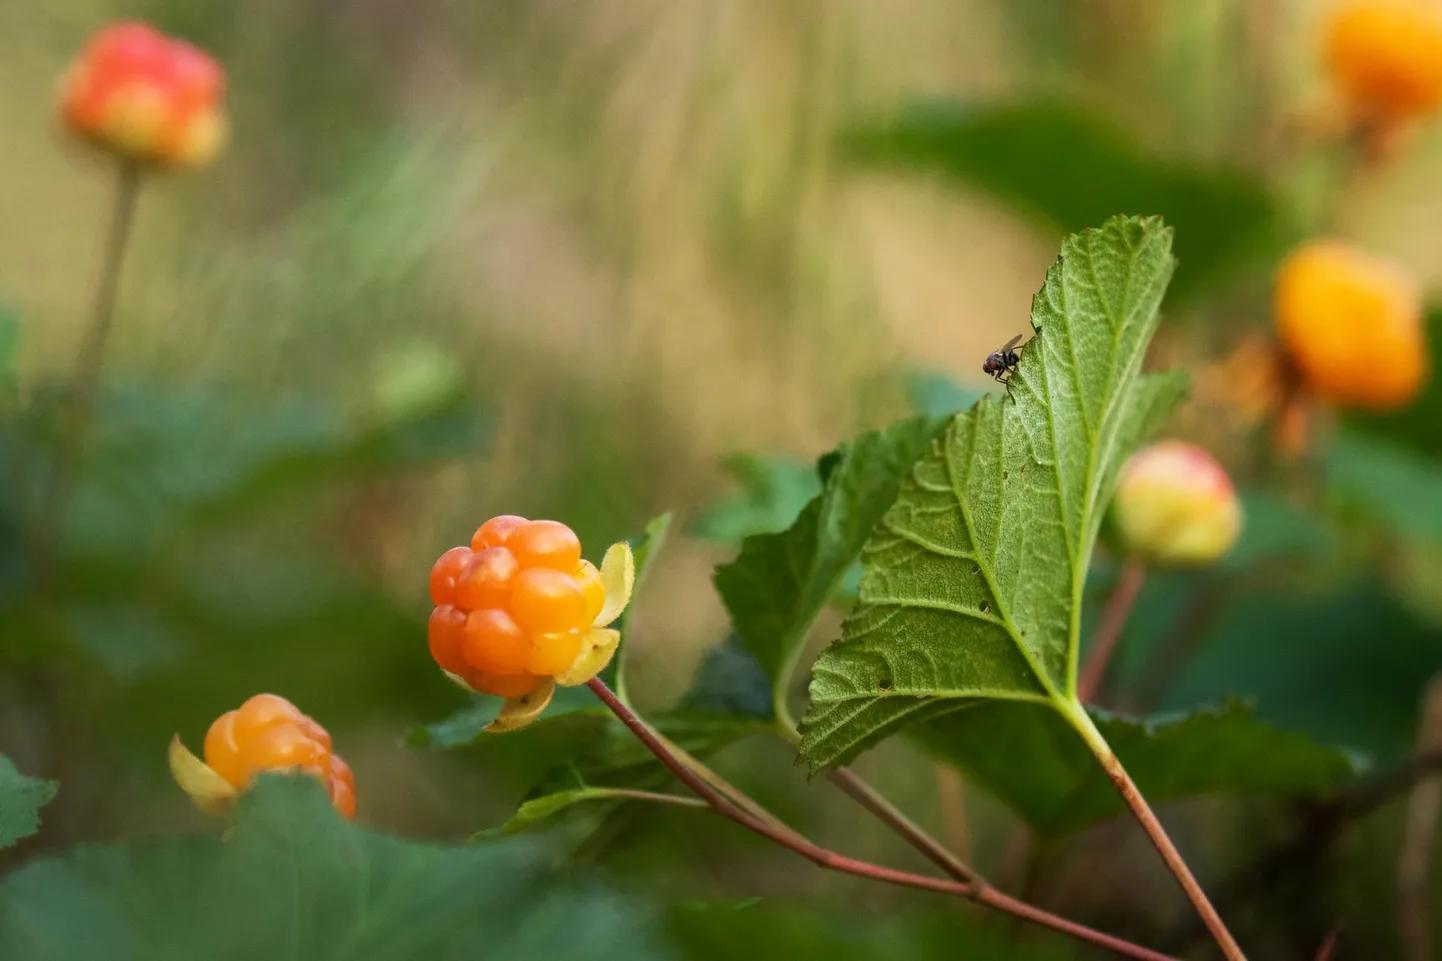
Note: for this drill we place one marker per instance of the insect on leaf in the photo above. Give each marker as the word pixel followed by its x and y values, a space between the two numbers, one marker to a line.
pixel 972 583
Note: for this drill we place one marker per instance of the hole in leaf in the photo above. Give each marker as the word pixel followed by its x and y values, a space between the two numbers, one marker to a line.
pixel 1005 474
pixel 884 684
pixel 976 569
pixel 985 607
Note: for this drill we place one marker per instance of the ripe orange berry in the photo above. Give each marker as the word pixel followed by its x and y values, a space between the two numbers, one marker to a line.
pixel 503 685
pixel 446 633
pixel 1386 55
pixel 486 580
pixel 340 770
pixel 553 653
pixel 262 712
pixel 282 747
pixel 342 798
pixel 496 532
pixel 589 580
pixel 446 572
pixel 146 96
pixel 494 643
pixel 1352 324
pixel 546 600
pixel 221 750
pixel 546 544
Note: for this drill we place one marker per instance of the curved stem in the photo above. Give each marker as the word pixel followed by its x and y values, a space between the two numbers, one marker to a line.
pixel 1114 619
pixel 1077 716
pixel 830 860
pixel 89 364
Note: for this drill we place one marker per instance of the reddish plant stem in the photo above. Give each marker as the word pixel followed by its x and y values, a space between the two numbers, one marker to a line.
pixel 1114 619
pixel 868 797
pixel 830 860
pixel 1158 835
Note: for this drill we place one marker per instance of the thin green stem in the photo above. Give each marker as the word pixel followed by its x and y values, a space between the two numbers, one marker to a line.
pixel 89 365
pixel 1077 716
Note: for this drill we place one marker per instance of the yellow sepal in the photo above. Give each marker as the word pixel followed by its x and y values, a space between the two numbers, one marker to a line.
pixel 209 791
pixel 519 712
pixel 597 650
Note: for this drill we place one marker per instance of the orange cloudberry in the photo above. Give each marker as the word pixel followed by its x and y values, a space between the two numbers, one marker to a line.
pixel 519 610
pixel 1385 56
pixel 146 96
pixel 1352 325
pixel 266 733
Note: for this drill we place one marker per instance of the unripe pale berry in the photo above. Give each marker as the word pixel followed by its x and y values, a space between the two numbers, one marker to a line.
pixel 146 96
pixel 1386 56
pixel 1352 325
pixel 1175 505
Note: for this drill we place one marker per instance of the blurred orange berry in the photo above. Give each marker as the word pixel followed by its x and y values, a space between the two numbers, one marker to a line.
pixel 268 733
pixel 1175 505
pixel 146 96
pixel 1352 325
pixel 1386 56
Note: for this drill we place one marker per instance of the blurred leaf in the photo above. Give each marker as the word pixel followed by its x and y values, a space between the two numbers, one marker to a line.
pixel 730 682
pixel 937 395
pixel 773 491
pixel 296 882
pixel 972 584
pixel 1062 162
pixel 767 931
pixel 1396 487
pixel 21 799
pixel 779 582
pixel 1346 664
pixel 1030 758
pixel 1275 529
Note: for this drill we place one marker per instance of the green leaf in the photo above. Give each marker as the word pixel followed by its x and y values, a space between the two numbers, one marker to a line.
pixel 565 789
pixel 296 883
pixel 972 585
pixel 1394 486
pixel 1062 162
pixel 1060 788
pixel 21 799
pixel 643 550
pixel 779 582
pixel 773 491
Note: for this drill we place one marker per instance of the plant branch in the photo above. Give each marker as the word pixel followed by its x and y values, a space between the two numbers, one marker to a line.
pixel 1114 619
pixel 868 797
pixel 1423 806
pixel 830 860
pixel 1143 812
pixel 89 364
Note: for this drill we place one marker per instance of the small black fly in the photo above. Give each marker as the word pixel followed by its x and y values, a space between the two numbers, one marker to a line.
pixel 1001 363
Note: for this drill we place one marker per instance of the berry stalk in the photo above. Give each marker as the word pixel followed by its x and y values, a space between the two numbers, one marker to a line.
pixel 830 860
pixel 89 365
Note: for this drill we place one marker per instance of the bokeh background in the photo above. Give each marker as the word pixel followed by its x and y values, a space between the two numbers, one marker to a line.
pixel 564 260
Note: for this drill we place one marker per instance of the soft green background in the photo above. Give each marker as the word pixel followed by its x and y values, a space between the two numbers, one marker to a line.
pixel 466 258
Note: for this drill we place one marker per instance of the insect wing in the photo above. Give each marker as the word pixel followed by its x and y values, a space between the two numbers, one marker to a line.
pixel 1011 343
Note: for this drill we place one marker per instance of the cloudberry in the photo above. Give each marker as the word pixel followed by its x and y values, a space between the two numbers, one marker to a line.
pixel 516 607
pixel 266 733
pixel 1386 55
pixel 446 572
pixel 1176 505
pixel 446 633
pixel 146 96
pixel 1352 325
